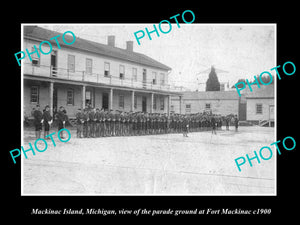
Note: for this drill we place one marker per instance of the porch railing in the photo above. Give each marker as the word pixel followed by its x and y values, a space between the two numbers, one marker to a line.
pixel 62 73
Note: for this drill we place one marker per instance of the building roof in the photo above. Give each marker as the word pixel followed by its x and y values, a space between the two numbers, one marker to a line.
pixel 210 95
pixel 42 34
pixel 265 91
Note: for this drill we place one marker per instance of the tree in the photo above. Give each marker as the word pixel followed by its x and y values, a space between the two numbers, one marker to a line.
pixel 264 79
pixel 240 85
pixel 212 83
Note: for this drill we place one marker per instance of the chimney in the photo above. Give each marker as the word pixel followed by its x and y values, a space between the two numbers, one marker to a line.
pixel 129 46
pixel 111 40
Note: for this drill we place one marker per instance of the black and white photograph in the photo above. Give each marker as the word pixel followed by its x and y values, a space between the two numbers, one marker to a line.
pixel 177 109
pixel 127 111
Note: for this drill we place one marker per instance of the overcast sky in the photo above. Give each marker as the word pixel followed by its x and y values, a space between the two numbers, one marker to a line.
pixel 243 50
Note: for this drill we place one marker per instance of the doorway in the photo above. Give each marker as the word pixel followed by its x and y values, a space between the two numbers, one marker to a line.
pixel 144 104
pixel 105 101
pixel 53 63
pixel 54 101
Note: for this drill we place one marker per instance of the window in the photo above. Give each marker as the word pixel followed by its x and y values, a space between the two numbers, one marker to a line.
pixel 71 63
pixel 207 106
pixel 162 103
pixel 89 65
pixel 154 102
pixel 259 109
pixel 162 79
pixel 144 78
pixel 188 108
pixel 106 69
pixel 122 72
pixel 34 94
pixel 172 109
pixel 154 78
pixel 35 59
pixel 121 101
pixel 134 74
pixel 70 97
pixel 88 97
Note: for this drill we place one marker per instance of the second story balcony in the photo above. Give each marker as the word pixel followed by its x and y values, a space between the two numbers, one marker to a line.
pixel 97 78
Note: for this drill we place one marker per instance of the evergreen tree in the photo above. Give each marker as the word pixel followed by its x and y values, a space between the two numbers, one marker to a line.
pixel 212 83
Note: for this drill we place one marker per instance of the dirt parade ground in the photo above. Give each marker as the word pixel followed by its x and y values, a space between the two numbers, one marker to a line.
pixel 166 164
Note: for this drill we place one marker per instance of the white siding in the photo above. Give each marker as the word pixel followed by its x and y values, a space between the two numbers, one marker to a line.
pixel 98 63
pixel 251 109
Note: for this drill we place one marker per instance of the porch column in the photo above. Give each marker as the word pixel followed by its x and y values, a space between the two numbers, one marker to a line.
pixel 132 101
pixel 51 97
pixel 111 93
pixel 180 103
pixel 151 106
pixel 83 96
pixel 169 105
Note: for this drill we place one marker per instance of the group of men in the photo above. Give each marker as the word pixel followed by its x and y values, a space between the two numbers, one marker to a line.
pixel 95 122
pixel 45 119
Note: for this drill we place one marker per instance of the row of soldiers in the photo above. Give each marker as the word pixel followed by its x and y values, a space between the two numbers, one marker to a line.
pixel 93 122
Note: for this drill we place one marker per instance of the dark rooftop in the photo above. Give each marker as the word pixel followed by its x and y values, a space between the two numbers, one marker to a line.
pixel 265 91
pixel 222 95
pixel 38 33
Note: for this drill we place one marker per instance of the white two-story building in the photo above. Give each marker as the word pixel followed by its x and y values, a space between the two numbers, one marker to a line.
pixel 88 72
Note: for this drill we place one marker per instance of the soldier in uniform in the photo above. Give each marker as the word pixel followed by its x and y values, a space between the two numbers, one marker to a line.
pixel 144 120
pixel 130 123
pixel 141 123
pixel 198 121
pixel 121 119
pixel 85 122
pixel 180 123
pixel 213 125
pixel 147 122
pixel 171 124
pixel 118 123
pixel 157 123
pixel 38 116
pixel 127 124
pixel 79 123
pixel 134 123
pixel 47 118
pixel 150 123
pixel 175 119
pixel 138 123
pixel 154 123
pixel 165 124
pixel 113 123
pixel 61 119
pixel 102 123
pixel 109 123
pixel 185 126
pixel 227 121
pixel 125 121
pixel 97 125
pixel 158 118
pixel 236 123
pixel 91 122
